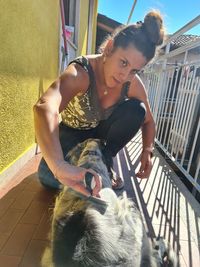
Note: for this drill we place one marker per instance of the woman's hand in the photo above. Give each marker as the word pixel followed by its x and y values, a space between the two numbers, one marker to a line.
pixel 146 165
pixel 74 177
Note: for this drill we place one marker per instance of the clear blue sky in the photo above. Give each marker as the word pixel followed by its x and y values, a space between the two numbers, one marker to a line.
pixel 176 13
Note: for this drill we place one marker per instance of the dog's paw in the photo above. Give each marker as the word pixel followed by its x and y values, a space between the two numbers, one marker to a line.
pixel 164 253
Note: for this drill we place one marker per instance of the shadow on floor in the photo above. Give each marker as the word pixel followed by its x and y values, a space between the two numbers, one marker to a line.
pixel 167 207
pixel 25 215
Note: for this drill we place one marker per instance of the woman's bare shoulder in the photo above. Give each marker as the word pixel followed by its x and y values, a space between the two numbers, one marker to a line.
pixel 75 77
pixel 137 89
pixel 73 81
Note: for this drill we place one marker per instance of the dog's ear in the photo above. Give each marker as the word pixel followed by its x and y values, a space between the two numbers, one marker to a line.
pixel 73 155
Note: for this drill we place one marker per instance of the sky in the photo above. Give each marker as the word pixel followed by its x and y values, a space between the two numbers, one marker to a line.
pixel 176 13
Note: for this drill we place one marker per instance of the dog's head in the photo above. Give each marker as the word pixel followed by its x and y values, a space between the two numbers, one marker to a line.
pixel 88 154
pixel 89 147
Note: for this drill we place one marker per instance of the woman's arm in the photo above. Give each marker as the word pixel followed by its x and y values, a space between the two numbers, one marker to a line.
pixel 137 90
pixel 46 119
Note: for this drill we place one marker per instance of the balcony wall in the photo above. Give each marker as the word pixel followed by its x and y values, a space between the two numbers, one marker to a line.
pixel 28 63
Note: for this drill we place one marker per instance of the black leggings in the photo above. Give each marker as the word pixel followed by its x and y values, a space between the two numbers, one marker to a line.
pixel 116 132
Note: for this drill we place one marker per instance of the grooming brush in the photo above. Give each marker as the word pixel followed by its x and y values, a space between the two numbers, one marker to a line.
pixel 98 203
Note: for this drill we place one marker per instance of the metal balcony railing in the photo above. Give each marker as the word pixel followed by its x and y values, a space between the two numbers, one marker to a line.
pixel 172 81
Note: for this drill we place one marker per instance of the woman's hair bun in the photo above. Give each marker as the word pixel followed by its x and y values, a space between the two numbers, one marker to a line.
pixel 153 25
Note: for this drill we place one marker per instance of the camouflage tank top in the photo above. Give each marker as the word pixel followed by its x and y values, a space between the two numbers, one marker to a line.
pixel 85 111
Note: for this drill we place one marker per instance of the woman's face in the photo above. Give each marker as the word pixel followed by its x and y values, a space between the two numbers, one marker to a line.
pixel 121 65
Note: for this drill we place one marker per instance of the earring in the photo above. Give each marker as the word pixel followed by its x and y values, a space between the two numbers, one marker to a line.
pixel 104 59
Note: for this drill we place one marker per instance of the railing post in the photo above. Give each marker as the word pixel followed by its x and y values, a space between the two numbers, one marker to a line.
pixel 160 83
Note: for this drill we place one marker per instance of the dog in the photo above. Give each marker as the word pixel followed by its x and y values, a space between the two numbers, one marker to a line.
pixel 88 232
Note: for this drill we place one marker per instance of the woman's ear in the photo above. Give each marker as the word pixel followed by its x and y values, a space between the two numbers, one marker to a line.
pixel 108 48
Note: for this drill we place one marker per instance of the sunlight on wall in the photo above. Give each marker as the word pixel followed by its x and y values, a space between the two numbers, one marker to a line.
pixel 28 64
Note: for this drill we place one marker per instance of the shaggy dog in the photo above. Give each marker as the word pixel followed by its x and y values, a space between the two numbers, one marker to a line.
pixel 88 232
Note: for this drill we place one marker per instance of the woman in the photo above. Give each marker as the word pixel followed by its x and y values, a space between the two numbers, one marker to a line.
pixel 99 96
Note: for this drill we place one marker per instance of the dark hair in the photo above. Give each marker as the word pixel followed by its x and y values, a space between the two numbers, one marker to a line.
pixel 145 36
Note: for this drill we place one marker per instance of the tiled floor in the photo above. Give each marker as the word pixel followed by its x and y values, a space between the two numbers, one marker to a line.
pixel 167 207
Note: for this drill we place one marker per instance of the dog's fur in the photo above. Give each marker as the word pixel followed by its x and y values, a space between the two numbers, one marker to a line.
pixel 81 236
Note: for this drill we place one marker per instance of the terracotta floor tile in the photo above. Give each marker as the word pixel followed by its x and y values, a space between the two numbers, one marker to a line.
pixel 23 201
pixel 43 229
pixel 9 261
pixel 3 239
pixel 17 243
pixel 32 256
pixel 15 192
pixel 9 221
pixel 34 212
pixel 33 185
pixel 5 203
pixel 47 196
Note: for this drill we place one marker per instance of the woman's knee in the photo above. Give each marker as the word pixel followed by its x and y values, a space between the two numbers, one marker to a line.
pixel 46 177
pixel 134 108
